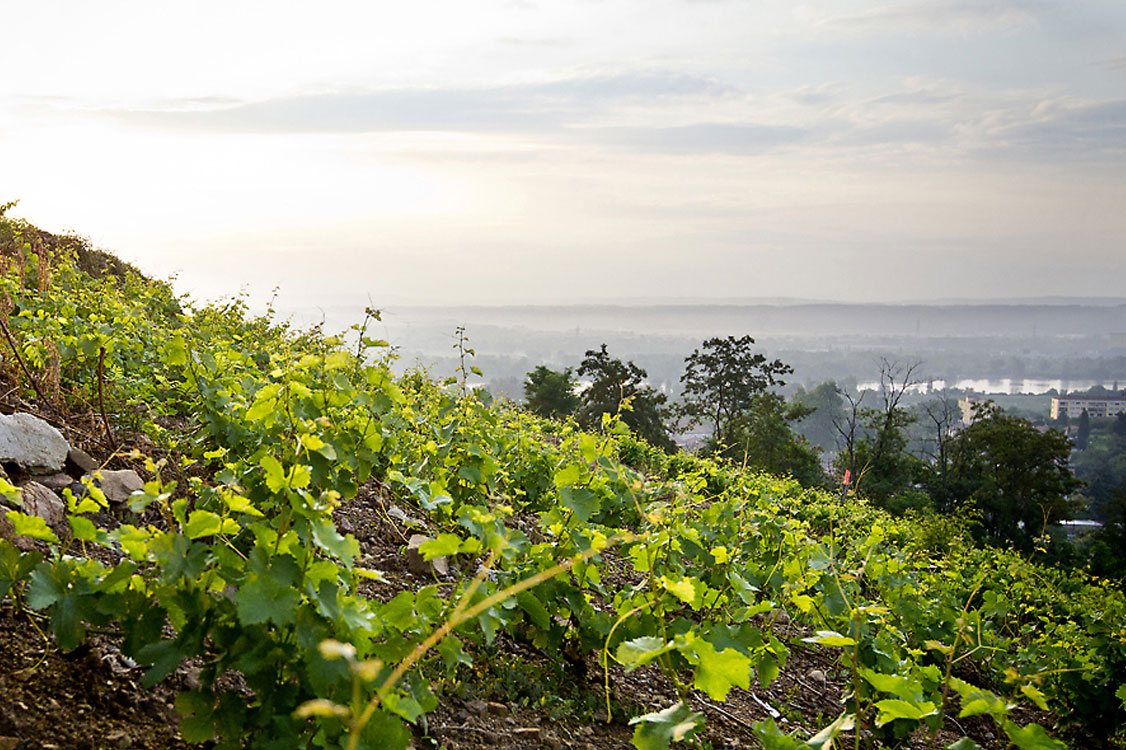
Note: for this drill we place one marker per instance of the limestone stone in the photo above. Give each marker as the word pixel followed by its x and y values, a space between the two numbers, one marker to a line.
pixel 42 502
pixel 56 482
pixel 79 462
pixel 117 485
pixel 418 564
pixel 29 442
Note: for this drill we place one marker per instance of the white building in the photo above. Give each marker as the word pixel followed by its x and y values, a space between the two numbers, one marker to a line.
pixel 1096 406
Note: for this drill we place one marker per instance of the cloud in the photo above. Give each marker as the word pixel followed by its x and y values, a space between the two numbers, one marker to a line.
pixel 819 95
pixel 1064 129
pixel 948 16
pixel 539 105
pixel 555 42
pixel 1114 63
pixel 663 112
pixel 699 138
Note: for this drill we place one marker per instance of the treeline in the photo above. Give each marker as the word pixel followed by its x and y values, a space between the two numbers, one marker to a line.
pixel 1006 481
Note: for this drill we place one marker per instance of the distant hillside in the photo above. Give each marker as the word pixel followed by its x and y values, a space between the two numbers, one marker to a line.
pixel 819 319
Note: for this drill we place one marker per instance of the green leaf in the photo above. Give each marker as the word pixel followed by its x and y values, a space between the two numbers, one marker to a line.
pixel 568 475
pixel 901 687
pixel 639 651
pixel 535 610
pixel 453 654
pixel 275 474
pixel 270 597
pixel 66 622
pixel 265 402
pixel 893 708
pixel 1035 695
pixel 202 523
pixel 717 671
pixel 823 740
pixel 176 352
pixel 687 589
pixel 11 493
pixel 656 731
pixel 445 545
pixel 15 566
pixel 773 738
pixel 239 504
pixel 581 501
pixel 1032 737
pixel 32 527
pixel 343 548
pixel 45 587
pixel 830 638
pixel 197 722
pixel 83 529
pixel 768 668
pixel 964 744
pixel 163 656
pixel 403 705
pixel 1120 694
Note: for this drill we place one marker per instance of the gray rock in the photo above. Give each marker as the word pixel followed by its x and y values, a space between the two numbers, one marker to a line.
pixel 419 565
pixel 40 501
pixel 117 485
pixel 79 462
pixel 31 443
pixel 56 482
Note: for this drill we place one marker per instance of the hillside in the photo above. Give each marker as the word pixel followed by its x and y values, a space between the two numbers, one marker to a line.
pixel 254 536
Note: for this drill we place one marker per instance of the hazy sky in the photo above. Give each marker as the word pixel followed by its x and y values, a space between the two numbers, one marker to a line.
pixel 519 150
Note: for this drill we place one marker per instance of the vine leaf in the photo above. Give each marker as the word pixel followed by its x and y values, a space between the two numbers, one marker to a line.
pixel 656 731
pixel 718 671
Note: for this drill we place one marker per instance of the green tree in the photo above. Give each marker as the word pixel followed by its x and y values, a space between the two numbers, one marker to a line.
pixel 1102 466
pixel 722 378
pixel 874 442
pixel 1016 476
pixel 939 417
pixel 1119 427
pixel 551 393
pixel 762 438
pixel 1108 547
pixel 620 387
pixel 826 409
pixel 1083 431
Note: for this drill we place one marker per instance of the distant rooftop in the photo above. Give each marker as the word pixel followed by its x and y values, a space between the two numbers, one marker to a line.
pixel 1081 397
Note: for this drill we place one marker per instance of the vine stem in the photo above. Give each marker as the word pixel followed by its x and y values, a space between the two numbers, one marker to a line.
pixel 102 398
pixel 26 371
pixel 459 616
pixel 606 654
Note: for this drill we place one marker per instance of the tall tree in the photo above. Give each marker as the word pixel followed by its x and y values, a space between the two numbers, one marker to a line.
pixel 1119 426
pixel 762 438
pixel 722 378
pixel 1017 476
pixel 874 440
pixel 1083 431
pixel 827 409
pixel 620 387
pixel 940 415
pixel 551 393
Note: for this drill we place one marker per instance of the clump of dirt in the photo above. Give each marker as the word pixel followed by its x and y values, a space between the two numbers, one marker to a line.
pixel 88 699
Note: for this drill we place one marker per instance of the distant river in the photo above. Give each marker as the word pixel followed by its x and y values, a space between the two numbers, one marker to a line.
pixel 1011 386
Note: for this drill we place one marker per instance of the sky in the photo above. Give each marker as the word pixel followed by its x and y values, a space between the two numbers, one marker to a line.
pixel 526 151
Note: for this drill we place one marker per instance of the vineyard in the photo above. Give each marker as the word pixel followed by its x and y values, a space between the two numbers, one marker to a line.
pixel 560 567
